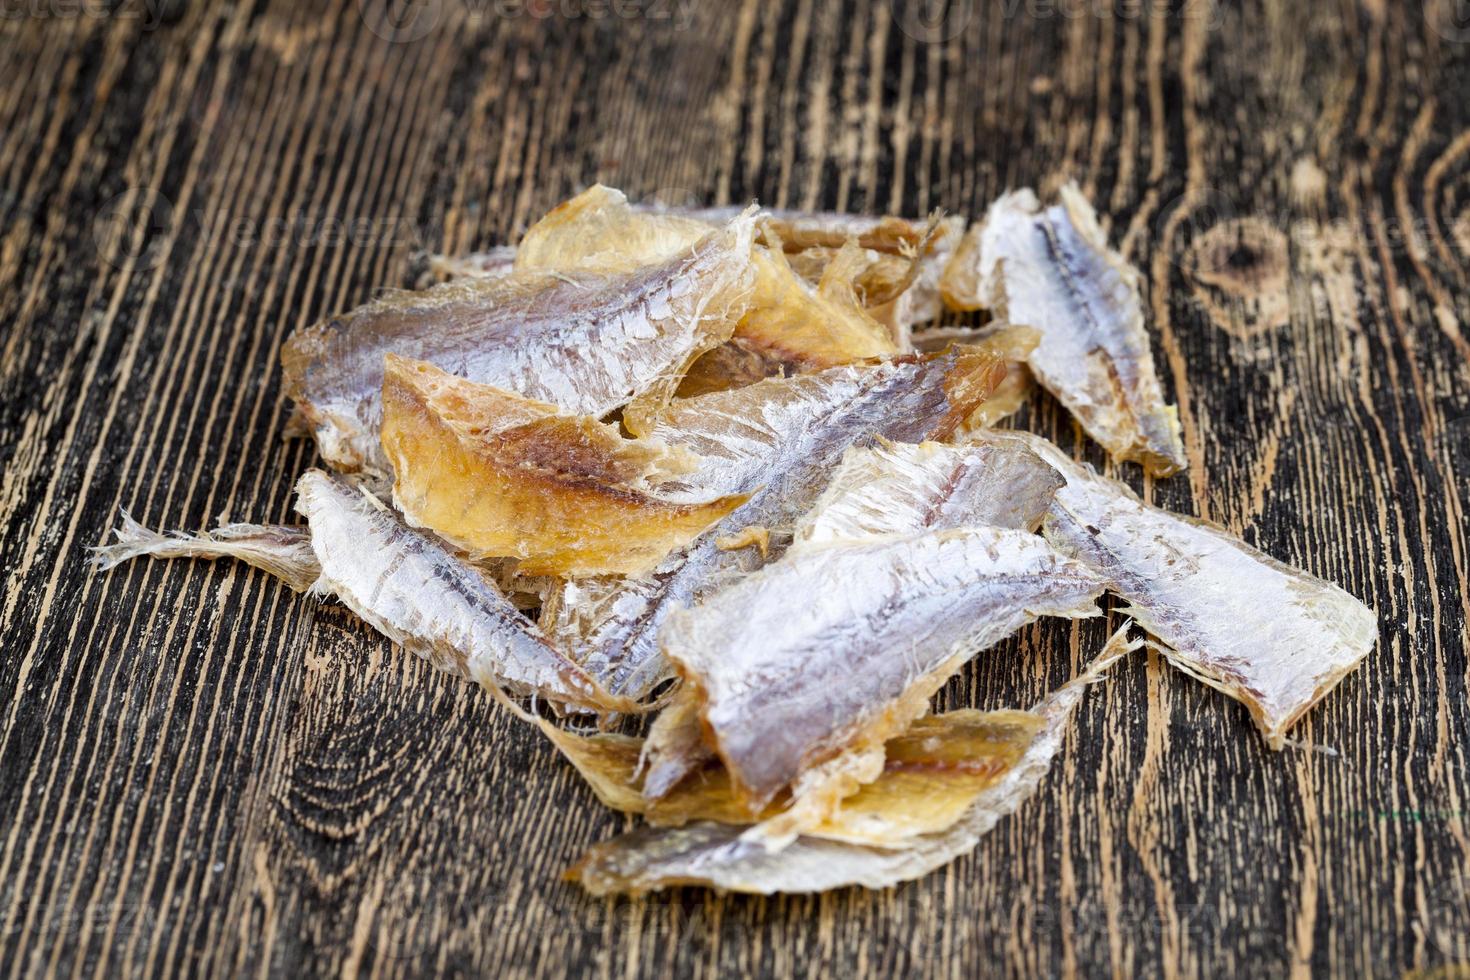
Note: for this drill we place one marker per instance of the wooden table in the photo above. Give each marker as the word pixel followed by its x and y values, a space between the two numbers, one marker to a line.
pixel 203 772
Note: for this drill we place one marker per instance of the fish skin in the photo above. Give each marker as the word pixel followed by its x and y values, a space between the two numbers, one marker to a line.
pixel 418 593
pixel 1269 635
pixel 905 488
pixel 1051 269
pixel 721 856
pixel 891 488
pixel 778 440
pixel 816 655
pixel 588 344
pixel 282 550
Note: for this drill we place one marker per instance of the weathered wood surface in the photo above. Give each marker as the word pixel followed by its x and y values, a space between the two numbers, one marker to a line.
pixel 201 772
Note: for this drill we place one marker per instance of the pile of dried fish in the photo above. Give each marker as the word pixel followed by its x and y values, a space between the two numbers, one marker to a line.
pixel 761 515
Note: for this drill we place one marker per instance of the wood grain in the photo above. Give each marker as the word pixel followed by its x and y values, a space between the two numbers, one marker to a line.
pixel 201 772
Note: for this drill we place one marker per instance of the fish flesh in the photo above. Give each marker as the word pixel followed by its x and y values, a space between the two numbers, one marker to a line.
pixel 499 475
pixel 281 550
pixel 920 835
pixel 777 440
pixel 1269 635
pixel 888 489
pixel 931 774
pixel 589 344
pixel 791 327
pixel 414 590
pixel 788 325
pixel 906 488
pixel 830 651
pixel 1051 269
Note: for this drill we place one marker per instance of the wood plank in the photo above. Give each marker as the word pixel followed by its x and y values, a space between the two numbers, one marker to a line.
pixel 202 772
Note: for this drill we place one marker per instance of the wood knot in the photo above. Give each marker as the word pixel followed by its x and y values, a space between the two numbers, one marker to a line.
pixel 1239 271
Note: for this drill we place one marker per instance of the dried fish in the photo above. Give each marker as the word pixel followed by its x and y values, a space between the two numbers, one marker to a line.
pixel 778 440
pixel 1052 270
pixel 1272 637
pixel 421 595
pixel 282 550
pixel 902 488
pixel 788 326
pixel 503 476
pixel 723 856
pixel 893 488
pixel 588 344
pixel 830 651
pixel 931 774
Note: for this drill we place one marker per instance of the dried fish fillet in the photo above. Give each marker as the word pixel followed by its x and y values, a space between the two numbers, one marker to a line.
pixel 722 856
pixel 778 440
pixel 1052 270
pixel 931 775
pixel 282 550
pixel 419 594
pixel 597 231
pixel 903 488
pixel 788 326
pixel 504 476
pixel 1272 637
pixel 589 344
pixel 834 649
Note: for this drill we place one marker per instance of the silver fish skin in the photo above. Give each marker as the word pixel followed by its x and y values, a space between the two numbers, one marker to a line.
pixel 1051 269
pixel 807 656
pixel 411 588
pixel 280 549
pixel 905 488
pixel 891 488
pixel 725 857
pixel 1269 635
pixel 588 344
pixel 779 440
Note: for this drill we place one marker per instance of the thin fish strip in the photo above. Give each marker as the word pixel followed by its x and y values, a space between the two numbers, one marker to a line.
pixel 280 549
pixel 892 488
pixel 1269 635
pixel 590 344
pixel 778 440
pixel 722 856
pixel 422 596
pixel 1051 269
pixel 834 649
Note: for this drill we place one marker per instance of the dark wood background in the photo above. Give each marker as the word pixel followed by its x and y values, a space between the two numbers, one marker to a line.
pixel 202 772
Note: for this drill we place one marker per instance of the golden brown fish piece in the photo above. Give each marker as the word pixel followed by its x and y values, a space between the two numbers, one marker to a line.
pixel 590 344
pixel 931 774
pixel 1272 637
pixel 1051 269
pixel 949 784
pixel 508 477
